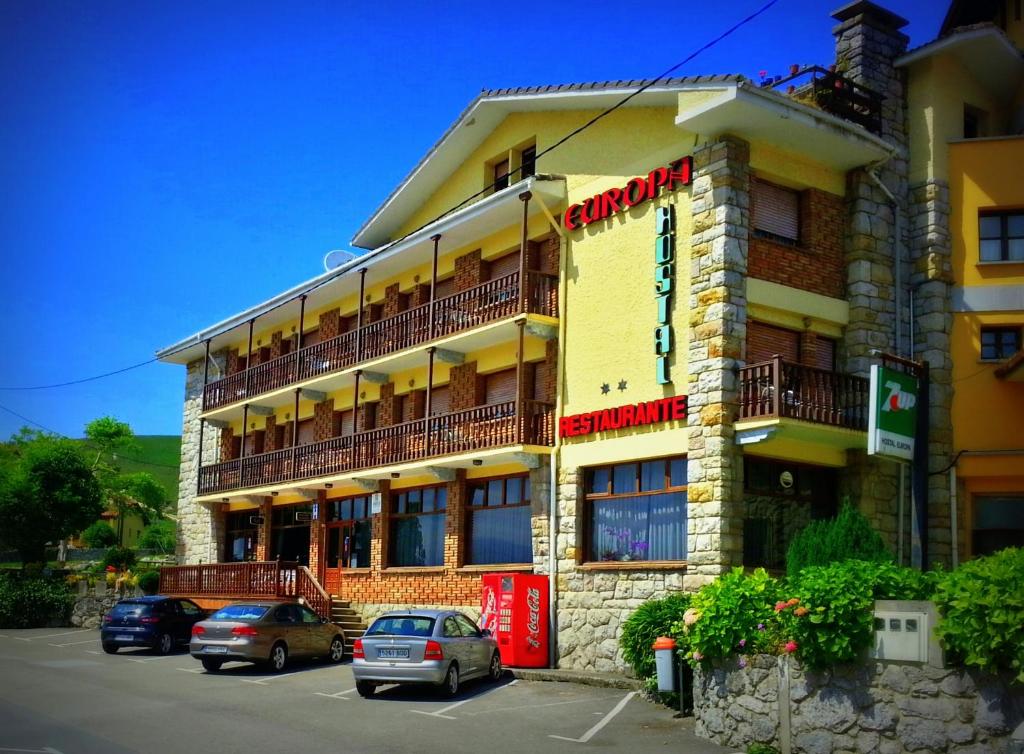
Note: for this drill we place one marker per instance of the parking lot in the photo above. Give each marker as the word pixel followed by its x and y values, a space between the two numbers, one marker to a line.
pixel 60 693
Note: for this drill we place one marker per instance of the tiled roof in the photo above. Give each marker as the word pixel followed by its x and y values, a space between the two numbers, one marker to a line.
pixel 602 85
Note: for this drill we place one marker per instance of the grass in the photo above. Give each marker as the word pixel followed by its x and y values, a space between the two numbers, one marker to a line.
pixel 160 455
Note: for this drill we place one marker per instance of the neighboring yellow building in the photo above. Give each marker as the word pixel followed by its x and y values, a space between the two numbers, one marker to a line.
pixel 966 97
pixel 629 363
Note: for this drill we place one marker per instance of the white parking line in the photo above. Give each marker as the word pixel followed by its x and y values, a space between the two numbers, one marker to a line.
pixel 191 670
pixel 600 723
pixel 73 643
pixel 440 712
pixel 155 657
pixel 340 695
pixel 533 706
pixel 44 750
pixel 266 680
pixel 66 633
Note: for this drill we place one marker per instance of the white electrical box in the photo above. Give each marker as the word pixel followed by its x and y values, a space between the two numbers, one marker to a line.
pixel 901 635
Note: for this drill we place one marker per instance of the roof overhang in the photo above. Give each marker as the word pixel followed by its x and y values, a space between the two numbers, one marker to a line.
pixel 754 113
pixel 985 53
pixel 478 121
pixel 457 229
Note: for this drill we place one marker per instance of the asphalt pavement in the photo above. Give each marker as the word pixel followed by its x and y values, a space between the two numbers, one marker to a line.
pixel 60 694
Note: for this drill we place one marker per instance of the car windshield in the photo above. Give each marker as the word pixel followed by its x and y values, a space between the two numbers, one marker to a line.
pixel 402 625
pixel 240 612
pixel 129 609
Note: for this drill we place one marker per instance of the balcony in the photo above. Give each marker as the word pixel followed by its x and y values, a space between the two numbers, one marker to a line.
pixel 481 428
pixel 780 389
pixel 835 94
pixel 488 302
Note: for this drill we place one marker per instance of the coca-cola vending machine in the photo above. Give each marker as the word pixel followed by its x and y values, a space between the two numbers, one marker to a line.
pixel 515 610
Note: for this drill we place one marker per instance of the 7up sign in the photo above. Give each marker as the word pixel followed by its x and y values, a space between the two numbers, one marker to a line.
pixel 892 414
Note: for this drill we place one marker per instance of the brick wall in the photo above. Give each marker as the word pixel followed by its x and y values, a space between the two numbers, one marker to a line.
pixel 227 444
pixel 818 263
pixel 419 296
pixel 415 406
pixel 389 407
pixel 367 417
pixel 323 420
pixel 232 365
pixel 330 325
pixel 270 435
pixel 276 349
pixel 470 271
pixel 467 388
pixel 548 254
pixel 392 300
pixel 547 377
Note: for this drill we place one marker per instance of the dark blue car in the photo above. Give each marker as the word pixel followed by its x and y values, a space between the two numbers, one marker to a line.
pixel 161 623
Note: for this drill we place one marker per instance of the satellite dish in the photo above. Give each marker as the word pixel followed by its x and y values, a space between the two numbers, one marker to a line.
pixel 335 259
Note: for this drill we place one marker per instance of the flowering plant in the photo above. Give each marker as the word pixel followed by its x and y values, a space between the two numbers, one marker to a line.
pixel 623 545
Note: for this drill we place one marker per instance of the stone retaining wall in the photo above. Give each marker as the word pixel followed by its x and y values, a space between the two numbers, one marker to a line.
pixel 888 708
pixel 92 602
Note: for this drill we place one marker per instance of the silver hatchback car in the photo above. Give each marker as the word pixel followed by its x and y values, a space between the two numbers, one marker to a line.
pixel 439 647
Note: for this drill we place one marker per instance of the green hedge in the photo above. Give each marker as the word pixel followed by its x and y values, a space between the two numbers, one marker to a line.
pixel 651 620
pixel 33 602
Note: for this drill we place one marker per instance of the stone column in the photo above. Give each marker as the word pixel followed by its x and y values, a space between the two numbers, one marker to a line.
pixel 718 316
pixel 931 281
pixel 200 528
pixel 868 40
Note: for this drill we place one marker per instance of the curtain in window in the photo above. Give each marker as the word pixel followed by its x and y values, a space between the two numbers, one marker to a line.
pixel 648 527
pixel 500 535
pixel 419 541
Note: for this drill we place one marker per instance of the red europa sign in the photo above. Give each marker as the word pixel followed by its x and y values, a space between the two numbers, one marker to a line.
pixel 637 191
pixel 621 417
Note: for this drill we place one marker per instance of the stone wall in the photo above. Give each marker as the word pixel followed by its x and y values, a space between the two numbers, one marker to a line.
pixel 887 708
pixel 92 602
pixel 199 527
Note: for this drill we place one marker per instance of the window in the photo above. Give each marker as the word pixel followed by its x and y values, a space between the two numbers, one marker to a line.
pixel 637 511
pixel 308 616
pixel 528 162
pixel 998 523
pixel 189 608
pixel 775 212
pixel 417 527
pixel 998 343
pixel 974 122
pixel 1002 236
pixel 240 536
pixel 467 626
pixel 499 521
pixel 500 175
pixel 348 533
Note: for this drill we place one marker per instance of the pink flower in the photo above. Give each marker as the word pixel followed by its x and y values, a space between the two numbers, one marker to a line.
pixel 780 606
pixel 743 642
pixel 760 626
pixel 697 655
pixel 791 646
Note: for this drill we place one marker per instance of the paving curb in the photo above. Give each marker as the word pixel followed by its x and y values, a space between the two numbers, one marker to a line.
pixel 601 680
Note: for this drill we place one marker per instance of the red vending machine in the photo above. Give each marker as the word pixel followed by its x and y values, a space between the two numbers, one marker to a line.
pixel 515 610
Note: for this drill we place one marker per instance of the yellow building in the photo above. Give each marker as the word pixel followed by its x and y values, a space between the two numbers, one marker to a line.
pixel 628 363
pixel 966 107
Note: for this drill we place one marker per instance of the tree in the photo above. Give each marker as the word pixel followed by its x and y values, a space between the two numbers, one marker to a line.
pixel 159 536
pixel 99 535
pixel 122 492
pixel 47 492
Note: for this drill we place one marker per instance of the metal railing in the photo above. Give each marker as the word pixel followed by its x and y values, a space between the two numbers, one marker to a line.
pixel 492 426
pixel 487 302
pixel 835 94
pixel 778 388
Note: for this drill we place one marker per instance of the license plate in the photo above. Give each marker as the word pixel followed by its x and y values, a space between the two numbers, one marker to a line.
pixel 215 650
pixel 124 637
pixel 393 654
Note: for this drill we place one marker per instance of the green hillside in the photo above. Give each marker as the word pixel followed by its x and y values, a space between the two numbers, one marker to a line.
pixel 160 455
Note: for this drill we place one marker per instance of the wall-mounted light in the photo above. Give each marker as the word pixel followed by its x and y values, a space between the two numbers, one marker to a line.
pixel 287 417
pixel 328 485
pixel 252 425
pixel 293 328
pixel 412 382
pixel 273 494
pixel 362 394
pixel 259 342
pixel 395 475
pixel 478 462
pixel 223 499
pixel 416 279
pixel 368 298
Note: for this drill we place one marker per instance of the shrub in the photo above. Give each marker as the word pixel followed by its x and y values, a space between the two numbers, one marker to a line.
pixel 982 608
pixel 848 536
pixel 33 602
pixel 99 535
pixel 159 536
pixel 728 612
pixel 120 558
pixel 149 582
pixel 651 620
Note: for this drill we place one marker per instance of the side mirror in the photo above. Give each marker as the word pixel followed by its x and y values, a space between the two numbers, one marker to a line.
pixel 485 632
pixel 324 620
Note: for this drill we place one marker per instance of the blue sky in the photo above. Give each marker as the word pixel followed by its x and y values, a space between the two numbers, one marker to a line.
pixel 166 165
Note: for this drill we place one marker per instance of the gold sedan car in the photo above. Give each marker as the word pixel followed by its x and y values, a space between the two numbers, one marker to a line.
pixel 267 633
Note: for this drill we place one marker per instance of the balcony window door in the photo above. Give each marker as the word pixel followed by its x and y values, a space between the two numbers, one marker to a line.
pixel 417 527
pixel 240 535
pixel 440 401
pixel 348 533
pixel 289 533
pixel 498 521
pixel 307 431
pixel 765 341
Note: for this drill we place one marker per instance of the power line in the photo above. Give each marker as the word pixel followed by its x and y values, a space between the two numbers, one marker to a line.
pixel 84 379
pixel 86 442
pixel 572 134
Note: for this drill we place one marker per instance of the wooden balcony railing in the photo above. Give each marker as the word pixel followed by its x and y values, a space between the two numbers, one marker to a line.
pixel 487 302
pixel 493 426
pixel 779 388
pixel 270 579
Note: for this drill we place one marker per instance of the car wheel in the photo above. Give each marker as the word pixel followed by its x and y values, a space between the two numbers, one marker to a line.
pixel 337 651
pixel 110 649
pixel 365 689
pixel 495 671
pixel 164 644
pixel 278 657
pixel 212 665
pixel 450 686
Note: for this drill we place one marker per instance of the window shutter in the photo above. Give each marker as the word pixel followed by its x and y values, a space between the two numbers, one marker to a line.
pixel 505 265
pixel 764 341
pixel 501 387
pixel 775 210
pixel 440 401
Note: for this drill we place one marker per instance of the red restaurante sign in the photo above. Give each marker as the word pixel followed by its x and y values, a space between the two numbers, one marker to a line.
pixel 637 191
pixel 621 417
